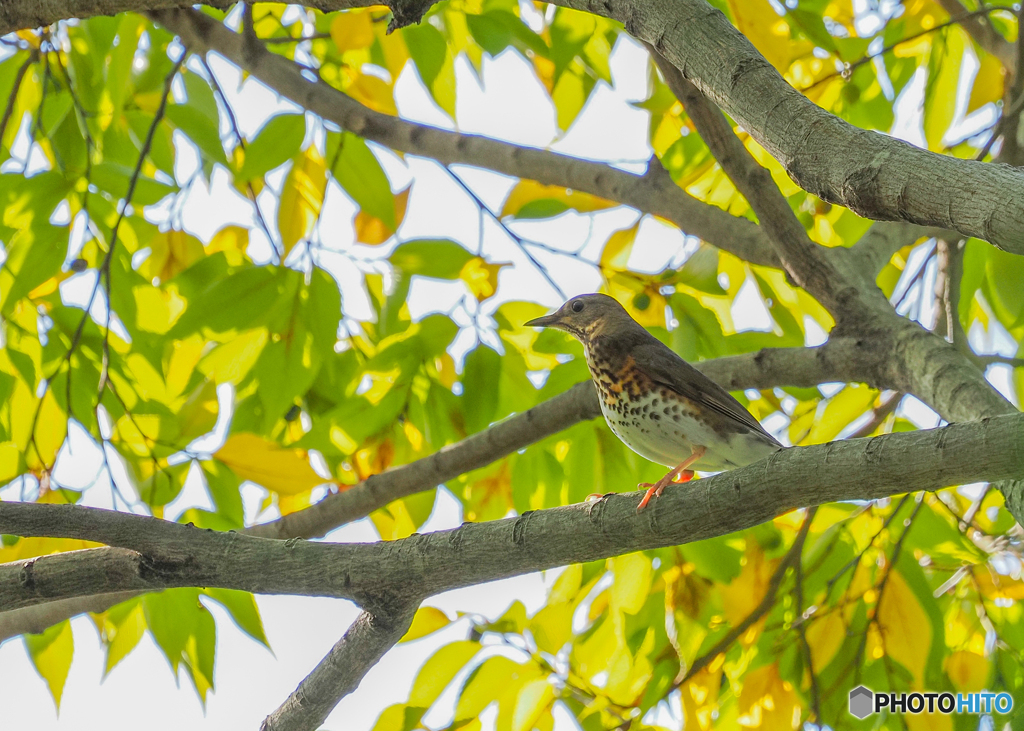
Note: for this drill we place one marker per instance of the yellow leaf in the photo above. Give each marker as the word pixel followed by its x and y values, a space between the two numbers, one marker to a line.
pixel 995 586
pixel 758 21
pixel 301 198
pixel 353 30
pixel 968 671
pixel 374 92
pixel 632 582
pixel 49 286
pixel 746 591
pixel 8 461
pixel 51 653
pixel 481 277
pixel 988 83
pixel 426 621
pixel 700 698
pixel 767 701
pixel 172 252
pixel 527 191
pixel 825 636
pixel 906 630
pixel 233 241
pixel 281 470
pixel 620 245
pixel 371 230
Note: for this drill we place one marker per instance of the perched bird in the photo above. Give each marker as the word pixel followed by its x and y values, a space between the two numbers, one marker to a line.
pixel 654 401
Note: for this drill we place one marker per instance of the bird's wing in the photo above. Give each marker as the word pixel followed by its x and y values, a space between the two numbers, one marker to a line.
pixel 669 370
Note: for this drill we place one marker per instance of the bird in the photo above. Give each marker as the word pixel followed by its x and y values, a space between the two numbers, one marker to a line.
pixel 655 402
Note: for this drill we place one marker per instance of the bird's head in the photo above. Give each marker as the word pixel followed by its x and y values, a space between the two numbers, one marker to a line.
pixel 586 316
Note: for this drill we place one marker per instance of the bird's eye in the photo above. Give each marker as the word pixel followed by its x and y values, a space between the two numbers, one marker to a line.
pixel 577 306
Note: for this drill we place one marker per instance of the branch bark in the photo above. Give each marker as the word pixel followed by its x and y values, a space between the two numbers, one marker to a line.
pixel 651 193
pixel 874 175
pixel 341 671
pixel 147 553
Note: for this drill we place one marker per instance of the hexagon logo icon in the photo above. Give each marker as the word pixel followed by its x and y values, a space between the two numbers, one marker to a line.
pixel 861 702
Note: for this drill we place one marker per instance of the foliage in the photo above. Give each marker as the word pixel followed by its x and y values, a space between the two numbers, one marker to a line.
pixel 246 328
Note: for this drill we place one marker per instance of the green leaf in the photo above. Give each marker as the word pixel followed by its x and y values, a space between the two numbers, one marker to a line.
pixel 241 605
pixel 276 143
pixel 33 256
pixel 534 698
pixel 437 258
pixel 115 179
pixel 359 173
pixel 480 387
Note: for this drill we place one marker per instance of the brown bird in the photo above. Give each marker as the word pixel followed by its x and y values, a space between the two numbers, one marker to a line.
pixel 654 401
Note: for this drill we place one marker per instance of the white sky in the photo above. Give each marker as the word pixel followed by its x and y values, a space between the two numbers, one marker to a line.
pixel 250 681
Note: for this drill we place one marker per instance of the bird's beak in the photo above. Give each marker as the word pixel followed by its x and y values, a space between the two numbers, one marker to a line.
pixel 551 320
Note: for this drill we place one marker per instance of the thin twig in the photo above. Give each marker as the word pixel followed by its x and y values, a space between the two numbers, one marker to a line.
pixel 790 559
pixel 849 68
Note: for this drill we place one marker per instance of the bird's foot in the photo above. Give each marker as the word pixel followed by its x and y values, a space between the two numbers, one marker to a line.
pixel 595 496
pixel 655 489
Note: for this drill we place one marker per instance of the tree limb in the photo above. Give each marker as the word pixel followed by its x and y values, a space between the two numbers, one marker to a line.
pixel 341 671
pixel 804 260
pixel 651 193
pixel 24 14
pixel 150 553
pixel 843 359
pixel 874 175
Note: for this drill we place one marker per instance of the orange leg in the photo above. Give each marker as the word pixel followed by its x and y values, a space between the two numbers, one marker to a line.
pixel 680 473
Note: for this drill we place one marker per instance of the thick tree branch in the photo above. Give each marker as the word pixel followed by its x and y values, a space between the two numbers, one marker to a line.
pixel 152 553
pixel 652 193
pixel 24 14
pixel 874 175
pixel 841 359
pixel 844 359
pixel 341 671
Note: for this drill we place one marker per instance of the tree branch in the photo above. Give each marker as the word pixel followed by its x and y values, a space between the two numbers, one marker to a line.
pixel 840 359
pixel 152 553
pixel 655 194
pixel 875 175
pixel 801 258
pixel 876 247
pixel 843 359
pixel 24 14
pixel 341 671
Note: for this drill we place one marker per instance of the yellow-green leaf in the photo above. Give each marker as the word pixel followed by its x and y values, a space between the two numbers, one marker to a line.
pixel 535 698
pixel 51 652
